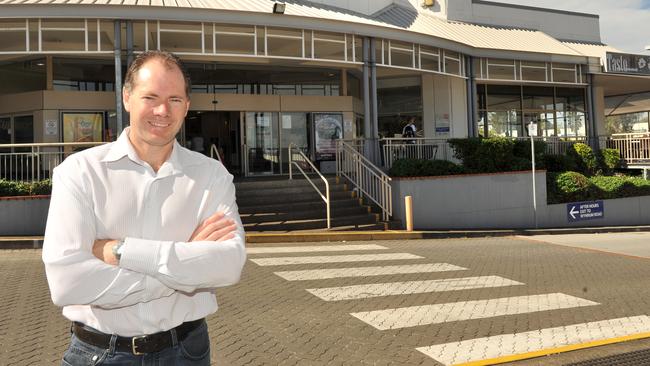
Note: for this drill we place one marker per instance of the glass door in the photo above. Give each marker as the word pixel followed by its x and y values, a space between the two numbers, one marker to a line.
pixel 261 143
pixel 293 129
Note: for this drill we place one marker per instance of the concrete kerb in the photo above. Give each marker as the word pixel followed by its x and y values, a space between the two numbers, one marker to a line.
pixel 36 242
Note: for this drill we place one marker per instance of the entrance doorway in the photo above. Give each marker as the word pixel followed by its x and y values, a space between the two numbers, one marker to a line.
pixel 215 132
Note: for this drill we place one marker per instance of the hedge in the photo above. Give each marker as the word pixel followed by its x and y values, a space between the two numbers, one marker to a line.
pixel 573 187
pixel 423 168
pixel 10 188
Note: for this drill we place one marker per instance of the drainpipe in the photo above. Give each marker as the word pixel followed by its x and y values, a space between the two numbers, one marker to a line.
pixel 118 77
pixel 592 134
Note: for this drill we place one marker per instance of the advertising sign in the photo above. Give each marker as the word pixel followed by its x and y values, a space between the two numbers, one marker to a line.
pixel 580 211
pixel 327 129
pixel 82 127
pixel 625 63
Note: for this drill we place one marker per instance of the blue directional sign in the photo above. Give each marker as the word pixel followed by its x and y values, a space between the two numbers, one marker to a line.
pixel 580 211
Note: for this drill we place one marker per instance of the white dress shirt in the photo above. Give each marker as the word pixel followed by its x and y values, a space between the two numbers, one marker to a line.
pixel 162 280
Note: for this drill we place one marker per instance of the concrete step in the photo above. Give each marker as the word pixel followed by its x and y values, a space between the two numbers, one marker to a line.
pixel 344 223
pixel 246 184
pixel 291 190
pixel 289 199
pixel 298 206
pixel 289 213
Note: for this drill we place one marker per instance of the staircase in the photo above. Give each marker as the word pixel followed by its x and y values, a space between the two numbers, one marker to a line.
pixel 277 204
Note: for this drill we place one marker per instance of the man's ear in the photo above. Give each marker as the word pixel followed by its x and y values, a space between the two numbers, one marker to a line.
pixel 126 99
pixel 187 107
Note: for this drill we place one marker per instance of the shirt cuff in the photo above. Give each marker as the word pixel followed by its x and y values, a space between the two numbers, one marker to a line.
pixel 141 255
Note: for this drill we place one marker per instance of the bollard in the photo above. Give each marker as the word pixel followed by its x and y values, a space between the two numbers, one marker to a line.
pixel 408 207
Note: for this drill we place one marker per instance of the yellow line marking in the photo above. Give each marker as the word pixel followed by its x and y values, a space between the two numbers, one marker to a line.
pixel 550 351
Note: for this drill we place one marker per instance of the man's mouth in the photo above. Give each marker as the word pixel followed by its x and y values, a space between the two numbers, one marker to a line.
pixel 159 124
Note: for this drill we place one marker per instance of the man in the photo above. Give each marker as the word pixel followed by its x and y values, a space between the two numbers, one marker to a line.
pixel 410 130
pixel 141 231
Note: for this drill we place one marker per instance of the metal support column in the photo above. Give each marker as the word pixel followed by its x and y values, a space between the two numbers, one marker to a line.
pixel 118 77
pixel 592 134
pixel 129 42
pixel 472 124
pixel 367 128
pixel 373 100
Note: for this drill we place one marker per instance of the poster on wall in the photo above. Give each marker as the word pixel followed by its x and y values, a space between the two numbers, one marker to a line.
pixel 327 129
pixel 82 126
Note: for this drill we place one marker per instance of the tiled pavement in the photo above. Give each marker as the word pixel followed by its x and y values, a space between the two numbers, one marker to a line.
pixel 270 319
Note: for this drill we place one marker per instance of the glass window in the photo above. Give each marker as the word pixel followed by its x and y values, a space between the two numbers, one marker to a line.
pixel 107 37
pixel 501 69
pixel 401 54
pixel 379 51
pixel 504 123
pixel 83 74
pixel 63 40
pixel 429 58
pixel 234 44
pixel 284 47
pixel 533 71
pixel 329 50
pixel 452 63
pixel 538 98
pixel 24 129
pixel 628 123
pixel 564 73
pixel 5 130
pixel 503 97
pixel 180 42
pixel 13 40
pixel 22 76
pixel 139 36
pixel 571 99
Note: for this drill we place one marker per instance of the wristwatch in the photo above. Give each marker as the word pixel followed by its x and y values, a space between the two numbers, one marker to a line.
pixel 117 249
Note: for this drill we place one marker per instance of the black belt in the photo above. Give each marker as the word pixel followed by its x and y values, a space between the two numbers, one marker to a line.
pixel 137 345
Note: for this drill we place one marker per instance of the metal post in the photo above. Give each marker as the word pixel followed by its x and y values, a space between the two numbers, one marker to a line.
pixel 129 42
pixel 118 77
pixel 472 126
pixel 367 129
pixel 290 164
pixel 532 149
pixel 373 100
pixel 408 208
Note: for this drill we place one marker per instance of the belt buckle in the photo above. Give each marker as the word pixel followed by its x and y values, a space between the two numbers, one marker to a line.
pixel 134 347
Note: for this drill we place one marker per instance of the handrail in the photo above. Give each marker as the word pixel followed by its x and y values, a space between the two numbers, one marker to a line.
pixel 214 151
pixel 325 197
pixel 366 177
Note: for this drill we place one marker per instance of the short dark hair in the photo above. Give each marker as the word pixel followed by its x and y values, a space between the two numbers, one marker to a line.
pixel 169 59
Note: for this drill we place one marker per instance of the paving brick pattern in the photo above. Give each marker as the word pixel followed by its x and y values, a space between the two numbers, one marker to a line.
pixel 267 320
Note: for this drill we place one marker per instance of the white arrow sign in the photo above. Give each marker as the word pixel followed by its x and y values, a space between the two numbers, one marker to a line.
pixel 573 212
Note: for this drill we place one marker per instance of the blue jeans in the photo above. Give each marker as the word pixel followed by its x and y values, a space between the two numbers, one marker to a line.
pixel 193 350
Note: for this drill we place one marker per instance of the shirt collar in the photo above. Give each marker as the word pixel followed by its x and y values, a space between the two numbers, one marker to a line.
pixel 122 147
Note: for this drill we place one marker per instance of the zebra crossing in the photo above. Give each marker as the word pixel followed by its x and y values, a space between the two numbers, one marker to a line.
pixel 478 351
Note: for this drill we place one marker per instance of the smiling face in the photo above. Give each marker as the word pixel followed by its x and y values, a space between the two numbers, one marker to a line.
pixel 157 103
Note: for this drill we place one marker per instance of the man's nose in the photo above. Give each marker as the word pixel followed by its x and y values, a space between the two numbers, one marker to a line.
pixel 162 109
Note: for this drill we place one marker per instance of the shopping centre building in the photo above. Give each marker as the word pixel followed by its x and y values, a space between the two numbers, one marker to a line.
pixel 266 74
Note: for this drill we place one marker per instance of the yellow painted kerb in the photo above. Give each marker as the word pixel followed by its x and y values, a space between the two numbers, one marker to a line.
pixel 550 351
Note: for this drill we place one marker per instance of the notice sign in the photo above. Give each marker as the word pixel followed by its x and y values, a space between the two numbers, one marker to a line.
pixel 580 211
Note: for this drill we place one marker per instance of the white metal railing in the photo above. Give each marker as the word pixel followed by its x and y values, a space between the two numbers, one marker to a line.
pixel 305 159
pixel 214 152
pixel 413 148
pixel 368 179
pixel 633 147
pixel 33 162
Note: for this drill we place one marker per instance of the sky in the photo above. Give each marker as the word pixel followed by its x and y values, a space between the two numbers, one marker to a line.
pixel 623 23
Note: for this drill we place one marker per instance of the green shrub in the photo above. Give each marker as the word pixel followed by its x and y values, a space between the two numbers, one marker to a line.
pixel 559 163
pixel 422 168
pixel 43 187
pixel 609 160
pixel 573 186
pixel 496 154
pixel 10 188
pixel 584 157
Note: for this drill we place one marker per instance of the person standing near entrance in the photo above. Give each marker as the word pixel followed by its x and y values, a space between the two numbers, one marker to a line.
pixel 409 131
pixel 141 231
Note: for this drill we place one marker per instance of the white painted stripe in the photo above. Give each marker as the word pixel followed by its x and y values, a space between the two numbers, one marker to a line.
pixel 409 287
pixel 279 261
pixel 543 339
pixel 321 274
pixel 442 313
pixel 307 249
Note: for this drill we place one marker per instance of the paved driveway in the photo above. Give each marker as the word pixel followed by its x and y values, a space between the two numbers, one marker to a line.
pixel 417 302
